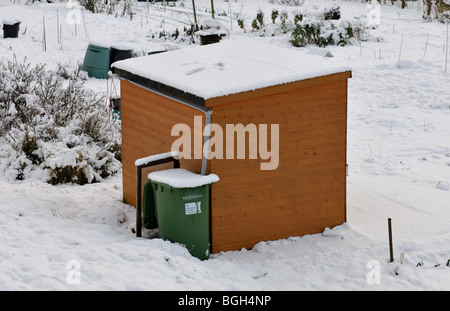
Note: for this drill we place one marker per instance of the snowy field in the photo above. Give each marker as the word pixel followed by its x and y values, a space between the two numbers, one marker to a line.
pixel 398 156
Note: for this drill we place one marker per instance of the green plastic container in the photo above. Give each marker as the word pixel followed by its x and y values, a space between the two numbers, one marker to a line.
pixel 96 61
pixel 176 202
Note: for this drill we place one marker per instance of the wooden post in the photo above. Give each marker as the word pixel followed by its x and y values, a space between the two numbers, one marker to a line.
pixel 391 251
pixel 446 50
pixel 426 45
pixel 195 14
pixel 138 202
pixel 57 26
pixel 84 23
pixel 212 8
pixel 400 52
pixel 45 40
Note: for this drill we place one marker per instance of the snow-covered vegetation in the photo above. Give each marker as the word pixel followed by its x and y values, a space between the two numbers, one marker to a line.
pixel 52 126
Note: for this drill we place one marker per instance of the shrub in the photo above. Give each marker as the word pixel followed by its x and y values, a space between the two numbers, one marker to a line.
pixel 50 123
pixel 113 7
pixel 274 15
pixel 444 17
pixel 289 2
pixel 307 33
pixel 284 22
pixel 298 18
pixel 332 11
pixel 323 33
pixel 260 18
pixel 255 26
pixel 240 22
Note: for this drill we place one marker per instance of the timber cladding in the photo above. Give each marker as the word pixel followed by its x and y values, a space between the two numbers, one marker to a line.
pixel 307 192
pixel 147 120
pixel 303 195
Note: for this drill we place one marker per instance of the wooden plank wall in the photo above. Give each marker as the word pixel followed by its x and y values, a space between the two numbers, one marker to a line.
pixel 307 192
pixel 147 121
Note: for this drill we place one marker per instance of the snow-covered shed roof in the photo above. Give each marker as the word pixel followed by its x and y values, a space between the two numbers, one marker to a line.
pixel 229 67
pixel 10 22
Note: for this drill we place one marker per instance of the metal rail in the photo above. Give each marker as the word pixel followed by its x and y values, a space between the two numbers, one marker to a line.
pixel 139 168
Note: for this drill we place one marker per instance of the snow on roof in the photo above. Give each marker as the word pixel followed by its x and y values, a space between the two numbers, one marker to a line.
pixel 100 43
pixel 229 67
pixel 10 22
pixel 122 46
pixel 146 160
pixel 181 178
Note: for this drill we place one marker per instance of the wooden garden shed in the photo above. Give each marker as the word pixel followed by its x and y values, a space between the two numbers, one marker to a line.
pixel 302 95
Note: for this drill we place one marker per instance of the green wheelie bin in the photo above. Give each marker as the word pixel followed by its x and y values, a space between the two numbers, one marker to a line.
pixel 176 201
pixel 96 60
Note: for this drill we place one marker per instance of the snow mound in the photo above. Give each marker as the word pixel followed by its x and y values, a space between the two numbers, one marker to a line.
pixel 181 178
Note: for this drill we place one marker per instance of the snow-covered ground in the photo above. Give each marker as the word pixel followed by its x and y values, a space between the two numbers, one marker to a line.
pixel 398 155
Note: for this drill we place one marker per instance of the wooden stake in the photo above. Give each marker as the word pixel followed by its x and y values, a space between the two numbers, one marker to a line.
pixel 391 251
pixel 195 13
pixel 57 26
pixel 400 52
pixel 446 50
pixel 231 16
pixel 84 23
pixel 426 45
pixel 45 41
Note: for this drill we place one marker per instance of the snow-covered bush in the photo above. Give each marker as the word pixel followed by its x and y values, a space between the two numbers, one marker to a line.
pixel 332 11
pixel 307 33
pixel 288 2
pixel 322 33
pixel 314 27
pixel 53 127
pixel 436 9
pixel 240 21
pixel 274 15
pixel 112 7
pixel 444 17
pixel 258 22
